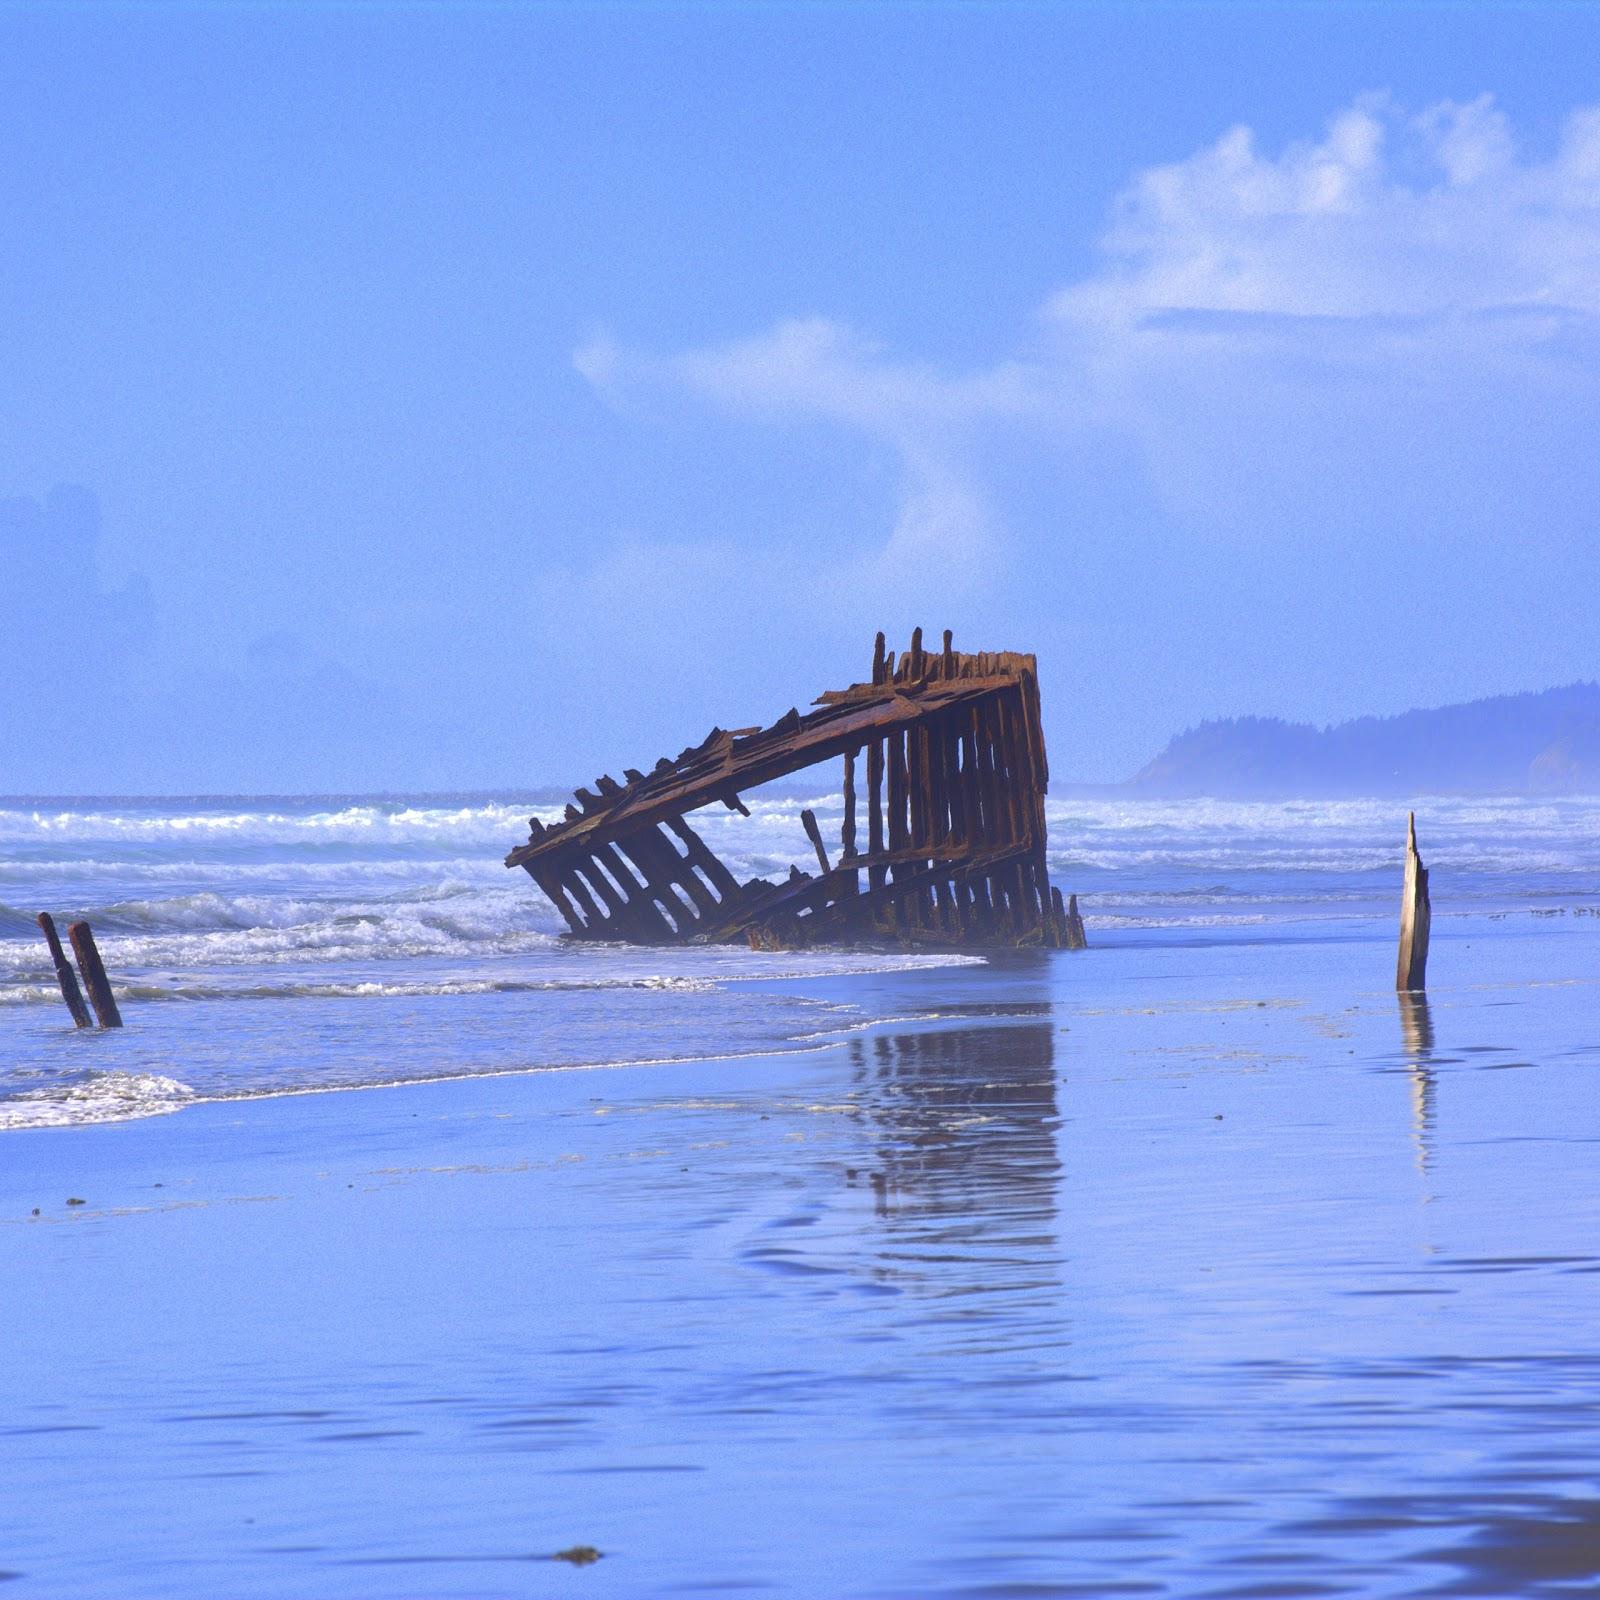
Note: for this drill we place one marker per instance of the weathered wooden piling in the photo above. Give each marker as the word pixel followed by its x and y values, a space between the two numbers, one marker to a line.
pixel 65 976
pixel 808 821
pixel 1416 917
pixel 1071 920
pixel 94 975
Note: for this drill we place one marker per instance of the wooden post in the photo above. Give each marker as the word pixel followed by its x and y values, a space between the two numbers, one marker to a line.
pixel 875 875
pixel 899 833
pixel 1055 921
pixel 65 976
pixel 971 795
pixel 808 821
pixel 1069 920
pixel 847 829
pixel 1416 917
pixel 94 975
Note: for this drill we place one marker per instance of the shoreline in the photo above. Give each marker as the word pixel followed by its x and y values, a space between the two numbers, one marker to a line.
pixel 827 988
pixel 966 1289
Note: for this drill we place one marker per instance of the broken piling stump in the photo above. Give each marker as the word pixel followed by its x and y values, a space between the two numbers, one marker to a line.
pixel 94 975
pixel 1416 917
pixel 956 779
pixel 1071 920
pixel 808 821
pixel 65 976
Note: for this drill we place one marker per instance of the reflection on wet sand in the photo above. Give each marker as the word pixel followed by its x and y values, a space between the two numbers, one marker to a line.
pixel 966 1119
pixel 964 1165
pixel 1416 1033
pixel 962 1304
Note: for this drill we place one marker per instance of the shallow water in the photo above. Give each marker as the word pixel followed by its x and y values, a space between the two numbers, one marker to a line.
pixel 1161 1270
pixel 268 945
pixel 1198 1264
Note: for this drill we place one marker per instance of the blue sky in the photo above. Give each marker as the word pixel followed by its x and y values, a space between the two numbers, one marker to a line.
pixel 417 396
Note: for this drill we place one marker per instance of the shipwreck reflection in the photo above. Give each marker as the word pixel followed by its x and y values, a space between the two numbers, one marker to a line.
pixel 964 1122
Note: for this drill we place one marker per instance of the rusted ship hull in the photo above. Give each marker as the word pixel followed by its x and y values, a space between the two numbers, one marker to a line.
pixel 950 750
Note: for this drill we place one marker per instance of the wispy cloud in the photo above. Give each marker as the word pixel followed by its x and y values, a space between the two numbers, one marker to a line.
pixel 1360 324
pixel 817 370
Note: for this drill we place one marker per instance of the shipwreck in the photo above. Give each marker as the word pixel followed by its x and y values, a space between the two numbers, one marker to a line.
pixel 951 750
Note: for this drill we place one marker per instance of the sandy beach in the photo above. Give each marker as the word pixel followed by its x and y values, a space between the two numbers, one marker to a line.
pixel 1193 1271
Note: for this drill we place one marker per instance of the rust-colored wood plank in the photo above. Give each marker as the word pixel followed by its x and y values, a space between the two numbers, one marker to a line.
pixel 971 791
pixel 593 917
pixel 803 891
pixel 662 915
pixel 823 735
pixel 899 828
pixel 615 901
pixel 920 741
pixel 875 841
pixel 808 821
pixel 812 889
pixel 847 829
pixel 701 855
pixel 899 824
pixel 668 878
pixel 994 829
pixel 557 896
pixel 1007 764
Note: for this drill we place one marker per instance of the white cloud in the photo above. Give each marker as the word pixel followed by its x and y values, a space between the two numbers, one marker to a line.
pixel 1375 312
pixel 1357 331
pixel 1383 217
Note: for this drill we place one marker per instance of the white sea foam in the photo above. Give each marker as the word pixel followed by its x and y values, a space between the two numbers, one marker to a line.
pixel 350 824
pixel 381 900
pixel 219 987
pixel 97 1097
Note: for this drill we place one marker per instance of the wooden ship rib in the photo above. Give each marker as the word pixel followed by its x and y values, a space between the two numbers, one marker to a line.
pixel 952 753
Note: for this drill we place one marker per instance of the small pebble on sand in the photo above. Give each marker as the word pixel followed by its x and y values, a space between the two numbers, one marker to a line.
pixel 580 1555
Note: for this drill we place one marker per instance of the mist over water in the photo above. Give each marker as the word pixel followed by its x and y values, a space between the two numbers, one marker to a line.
pixel 252 938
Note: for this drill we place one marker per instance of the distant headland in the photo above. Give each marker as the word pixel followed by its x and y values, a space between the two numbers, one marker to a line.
pixel 1537 743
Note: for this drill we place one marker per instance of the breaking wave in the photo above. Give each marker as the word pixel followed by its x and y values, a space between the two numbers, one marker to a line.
pixel 95 1097
pixel 398 907
pixel 237 822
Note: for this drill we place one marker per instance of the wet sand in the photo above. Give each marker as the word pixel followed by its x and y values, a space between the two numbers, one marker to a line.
pixel 1204 1271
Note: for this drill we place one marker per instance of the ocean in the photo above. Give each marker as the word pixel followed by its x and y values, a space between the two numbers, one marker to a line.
pixel 266 946
pixel 1198 1264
